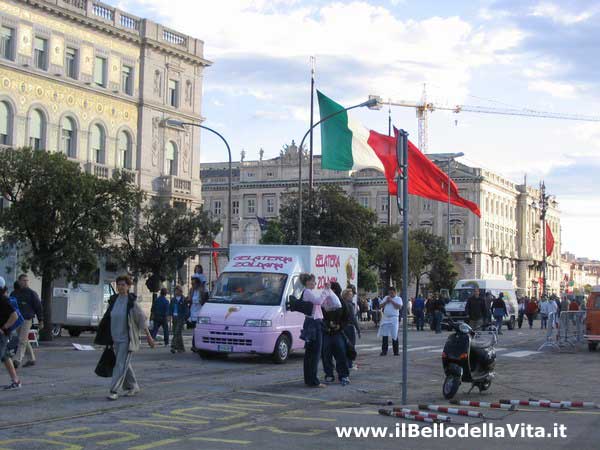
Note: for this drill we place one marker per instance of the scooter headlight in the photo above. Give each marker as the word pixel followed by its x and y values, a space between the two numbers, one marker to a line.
pixel 464 328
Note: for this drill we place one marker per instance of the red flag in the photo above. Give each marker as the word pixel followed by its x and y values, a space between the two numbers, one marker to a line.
pixel 425 179
pixel 215 257
pixel 549 240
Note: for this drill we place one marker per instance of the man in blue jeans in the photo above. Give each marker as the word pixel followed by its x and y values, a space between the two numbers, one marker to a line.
pixel 439 309
pixel 160 315
pixel 419 312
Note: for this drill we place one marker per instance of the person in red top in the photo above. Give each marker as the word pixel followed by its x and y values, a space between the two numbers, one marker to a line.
pixel 573 306
pixel 531 309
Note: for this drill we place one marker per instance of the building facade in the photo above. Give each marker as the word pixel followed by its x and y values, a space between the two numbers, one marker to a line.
pixel 505 243
pixel 97 84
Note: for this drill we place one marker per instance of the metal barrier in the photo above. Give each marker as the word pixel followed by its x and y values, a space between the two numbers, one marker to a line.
pixel 564 330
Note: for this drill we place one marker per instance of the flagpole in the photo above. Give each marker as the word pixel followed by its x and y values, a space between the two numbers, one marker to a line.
pixel 312 112
pixel 389 208
pixel 402 154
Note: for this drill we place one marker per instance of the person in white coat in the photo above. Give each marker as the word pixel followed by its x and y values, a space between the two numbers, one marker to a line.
pixel 389 326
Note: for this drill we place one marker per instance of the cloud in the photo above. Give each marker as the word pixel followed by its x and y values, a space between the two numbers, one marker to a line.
pixel 557 14
pixel 555 88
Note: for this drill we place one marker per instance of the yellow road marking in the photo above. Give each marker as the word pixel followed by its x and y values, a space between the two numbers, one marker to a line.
pixel 295 397
pixel 225 441
pixel 256 402
pixel 64 445
pixel 594 413
pixel 230 427
pixel 68 433
pixel 155 444
pixel 276 430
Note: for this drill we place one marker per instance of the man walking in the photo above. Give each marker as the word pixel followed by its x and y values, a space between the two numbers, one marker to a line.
pixel 438 309
pixel 476 310
pixel 179 312
pixel 391 306
pixel 160 315
pixel 521 302
pixel 30 306
pixel 419 312
pixel 8 318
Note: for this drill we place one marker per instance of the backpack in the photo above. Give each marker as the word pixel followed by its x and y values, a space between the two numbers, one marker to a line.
pixel 14 303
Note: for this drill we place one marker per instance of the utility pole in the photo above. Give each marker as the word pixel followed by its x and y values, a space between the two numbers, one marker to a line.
pixel 312 113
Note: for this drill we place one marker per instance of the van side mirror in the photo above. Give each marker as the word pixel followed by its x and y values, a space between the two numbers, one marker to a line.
pixel 288 304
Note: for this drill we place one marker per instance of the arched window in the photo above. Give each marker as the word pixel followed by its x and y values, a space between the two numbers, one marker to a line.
pixel 37 127
pixel 5 124
pixel 426 225
pixel 98 143
pixel 250 234
pixel 124 149
pixel 171 158
pixel 68 137
pixel 456 232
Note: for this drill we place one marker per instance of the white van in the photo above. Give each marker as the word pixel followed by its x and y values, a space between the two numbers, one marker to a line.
pixel 246 311
pixel 455 309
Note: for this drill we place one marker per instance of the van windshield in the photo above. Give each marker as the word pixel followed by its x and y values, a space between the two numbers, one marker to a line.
pixel 461 295
pixel 249 288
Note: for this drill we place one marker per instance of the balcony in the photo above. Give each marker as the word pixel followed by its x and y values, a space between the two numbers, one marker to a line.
pixel 172 185
pixel 99 170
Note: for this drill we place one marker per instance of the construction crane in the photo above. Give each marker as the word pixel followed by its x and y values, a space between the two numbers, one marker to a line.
pixel 424 107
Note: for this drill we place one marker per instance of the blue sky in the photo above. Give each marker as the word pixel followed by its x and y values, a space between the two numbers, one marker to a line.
pixel 515 53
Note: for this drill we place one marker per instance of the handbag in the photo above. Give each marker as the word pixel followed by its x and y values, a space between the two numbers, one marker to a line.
pixel 107 363
pixel 350 350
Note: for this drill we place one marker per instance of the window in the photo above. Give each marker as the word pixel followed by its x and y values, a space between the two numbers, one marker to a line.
pixel 217 207
pixel 171 159
pixel 67 137
pixel 98 144
pixel 36 130
pixel 427 226
pixel 71 62
pixel 270 205
pixel 127 80
pixel 125 154
pixel 250 234
pixel 173 94
pixel 487 266
pixel 426 205
pixel 5 124
pixel 363 200
pixel 250 174
pixel 7 40
pixel 456 233
pixel 100 71
pixel 40 53
pixel 235 207
pixel 383 204
pixel 270 174
pixel 251 206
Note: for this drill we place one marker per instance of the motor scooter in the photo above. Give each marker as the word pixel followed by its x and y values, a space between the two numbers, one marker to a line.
pixel 467 359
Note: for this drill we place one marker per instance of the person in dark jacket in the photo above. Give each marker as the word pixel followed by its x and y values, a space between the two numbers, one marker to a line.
pixel 418 311
pixel 178 311
pixel 30 306
pixel 475 309
pixel 499 311
pixel 159 315
pixel 352 329
pixel 334 346
pixel 8 318
pixel 438 309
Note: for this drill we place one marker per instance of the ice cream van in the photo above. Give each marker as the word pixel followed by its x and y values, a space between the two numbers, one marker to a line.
pixel 246 311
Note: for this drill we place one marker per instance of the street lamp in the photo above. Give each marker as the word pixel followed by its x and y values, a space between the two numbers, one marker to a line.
pixel 544 202
pixel 372 103
pixel 179 124
pixel 449 157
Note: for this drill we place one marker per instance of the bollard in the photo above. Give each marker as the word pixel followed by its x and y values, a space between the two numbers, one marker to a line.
pixel 455 411
pixel 540 404
pixel 418 418
pixel 415 412
pixel 568 404
pixel 506 406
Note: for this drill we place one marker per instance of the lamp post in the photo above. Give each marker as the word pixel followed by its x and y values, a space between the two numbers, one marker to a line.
pixel 543 205
pixel 372 103
pixel 449 158
pixel 179 124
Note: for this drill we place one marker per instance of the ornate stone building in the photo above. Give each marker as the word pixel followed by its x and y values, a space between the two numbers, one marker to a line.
pixel 97 83
pixel 505 243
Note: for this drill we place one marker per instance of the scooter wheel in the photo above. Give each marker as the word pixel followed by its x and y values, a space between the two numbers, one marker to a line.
pixel 450 387
pixel 485 385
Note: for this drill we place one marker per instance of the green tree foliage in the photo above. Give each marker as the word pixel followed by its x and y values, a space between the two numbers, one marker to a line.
pixel 388 259
pixel 156 238
pixel 61 216
pixel 436 262
pixel 273 234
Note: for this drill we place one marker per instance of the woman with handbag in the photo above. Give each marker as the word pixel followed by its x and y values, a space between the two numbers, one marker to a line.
pixel 120 330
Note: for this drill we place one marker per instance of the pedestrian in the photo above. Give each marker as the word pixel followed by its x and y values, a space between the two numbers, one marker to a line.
pixel 355 301
pixel 390 322
pixel 30 307
pixel 475 310
pixel 499 311
pixel 521 311
pixel 376 313
pixel 8 320
pixel 370 311
pixel 544 313
pixel 531 309
pixel 489 299
pixel 194 302
pixel 122 324
pixel 429 311
pixel 438 309
pixel 351 329
pixel 334 344
pixel 312 331
pixel 199 274
pixel 573 305
pixel 564 304
pixel 419 312
pixel 160 315
pixel 553 312
pixel 178 311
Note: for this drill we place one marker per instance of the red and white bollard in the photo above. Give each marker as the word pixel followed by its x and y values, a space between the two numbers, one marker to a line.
pixel 415 412
pixel 568 404
pixel 531 403
pixel 418 418
pixel 483 404
pixel 455 411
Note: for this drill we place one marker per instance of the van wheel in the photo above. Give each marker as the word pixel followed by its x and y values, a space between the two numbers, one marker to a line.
pixel 511 323
pixel 74 332
pixel 282 349
pixel 56 330
pixel 592 346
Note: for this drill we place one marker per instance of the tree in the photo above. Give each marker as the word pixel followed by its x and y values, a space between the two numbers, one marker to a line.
pixel 436 262
pixel 157 238
pixel 388 259
pixel 64 217
pixel 273 234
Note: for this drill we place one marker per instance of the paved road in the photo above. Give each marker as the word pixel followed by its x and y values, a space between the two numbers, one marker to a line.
pixel 247 402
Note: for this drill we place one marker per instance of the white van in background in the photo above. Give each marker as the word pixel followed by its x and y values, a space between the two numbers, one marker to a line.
pixel 455 309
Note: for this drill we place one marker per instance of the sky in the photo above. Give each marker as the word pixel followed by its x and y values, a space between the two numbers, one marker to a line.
pixel 532 54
